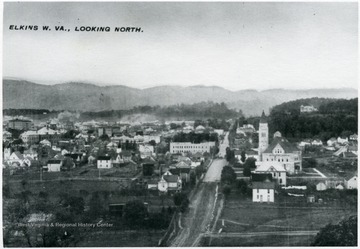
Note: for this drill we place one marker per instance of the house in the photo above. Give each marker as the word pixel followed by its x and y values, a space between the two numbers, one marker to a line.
pixel 317 142
pixel 104 162
pixel 321 186
pixel 353 137
pixel 126 155
pixel 169 183
pixel 45 142
pixel 331 142
pixel 199 129
pixel 308 109
pixel 152 185
pixel 263 191
pixel 7 153
pixel 16 157
pixel 341 140
pixel 30 153
pixel 277 171
pixel 351 183
pixel 146 150
pixel 7 135
pixel 54 165
pixel 339 186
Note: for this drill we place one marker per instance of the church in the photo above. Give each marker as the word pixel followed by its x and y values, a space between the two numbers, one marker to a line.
pixel 279 154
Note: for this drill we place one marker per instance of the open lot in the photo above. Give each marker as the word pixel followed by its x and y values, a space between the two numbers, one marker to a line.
pixel 241 215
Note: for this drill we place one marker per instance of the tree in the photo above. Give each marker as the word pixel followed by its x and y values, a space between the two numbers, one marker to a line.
pixel 226 190
pixel 181 201
pixel 249 165
pixel 104 137
pixel 243 156
pixel 342 234
pixel 135 213
pixel 228 175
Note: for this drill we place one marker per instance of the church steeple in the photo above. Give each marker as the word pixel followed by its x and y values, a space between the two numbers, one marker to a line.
pixel 263 118
pixel 263 135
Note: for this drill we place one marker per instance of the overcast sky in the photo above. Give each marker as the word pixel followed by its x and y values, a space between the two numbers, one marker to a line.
pixel 233 45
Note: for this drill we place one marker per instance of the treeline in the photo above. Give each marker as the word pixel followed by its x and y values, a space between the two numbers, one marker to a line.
pixel 195 138
pixel 200 110
pixel 28 112
pixel 334 118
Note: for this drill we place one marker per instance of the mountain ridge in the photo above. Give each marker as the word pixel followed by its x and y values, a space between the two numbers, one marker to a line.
pixel 91 97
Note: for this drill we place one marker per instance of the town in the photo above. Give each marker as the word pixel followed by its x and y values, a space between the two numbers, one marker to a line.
pixel 180 182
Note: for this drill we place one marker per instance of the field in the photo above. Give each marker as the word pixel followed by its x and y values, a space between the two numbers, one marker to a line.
pixel 240 215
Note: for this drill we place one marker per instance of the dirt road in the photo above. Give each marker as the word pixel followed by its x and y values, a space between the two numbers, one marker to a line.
pixel 202 208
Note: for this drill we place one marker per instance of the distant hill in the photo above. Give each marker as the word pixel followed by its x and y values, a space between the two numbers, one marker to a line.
pixel 88 97
pixel 335 117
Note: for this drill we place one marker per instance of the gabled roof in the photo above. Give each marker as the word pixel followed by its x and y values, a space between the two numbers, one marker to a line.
pixel 54 161
pixel 263 185
pixel 285 144
pixel 19 155
pixel 182 164
pixel 270 167
pixel 171 178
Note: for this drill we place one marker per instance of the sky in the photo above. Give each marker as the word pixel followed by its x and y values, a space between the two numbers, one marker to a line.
pixel 234 45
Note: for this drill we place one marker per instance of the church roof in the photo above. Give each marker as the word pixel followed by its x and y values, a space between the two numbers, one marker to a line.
pixel 285 144
pixel 263 118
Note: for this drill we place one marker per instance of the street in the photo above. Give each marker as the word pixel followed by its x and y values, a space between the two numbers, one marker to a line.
pixel 202 211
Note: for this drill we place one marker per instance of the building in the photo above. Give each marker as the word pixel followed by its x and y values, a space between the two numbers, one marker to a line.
pixel 283 153
pixel 353 137
pixel 321 186
pixel 351 183
pixel 169 183
pixel 280 152
pixel 308 109
pixel 263 191
pixel 277 171
pixel 146 150
pixel 19 124
pixel 30 137
pixel 263 135
pixel 178 147
pixel 54 165
pixel 104 162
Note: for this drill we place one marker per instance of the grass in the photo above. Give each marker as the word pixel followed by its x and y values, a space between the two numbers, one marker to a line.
pixel 240 214
pixel 270 240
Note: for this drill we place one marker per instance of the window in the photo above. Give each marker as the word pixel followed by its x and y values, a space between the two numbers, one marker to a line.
pixel 268 191
pixel 257 190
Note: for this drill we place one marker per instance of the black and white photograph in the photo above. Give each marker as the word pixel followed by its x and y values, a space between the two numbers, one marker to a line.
pixel 180 124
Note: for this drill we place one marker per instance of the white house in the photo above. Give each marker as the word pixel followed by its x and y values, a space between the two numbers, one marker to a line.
pixel 321 186
pixel 263 191
pixel 317 142
pixel 146 150
pixel 169 182
pixel 331 142
pixel 351 183
pixel 104 162
pixel 54 165
pixel 7 153
pixel 45 142
pixel 341 140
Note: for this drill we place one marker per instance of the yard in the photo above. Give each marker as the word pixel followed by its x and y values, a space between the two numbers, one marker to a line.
pixel 241 215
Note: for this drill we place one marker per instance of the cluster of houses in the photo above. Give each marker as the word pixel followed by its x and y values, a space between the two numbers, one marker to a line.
pixel 127 147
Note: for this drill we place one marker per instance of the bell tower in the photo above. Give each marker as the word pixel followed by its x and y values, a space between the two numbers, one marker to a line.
pixel 263 135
